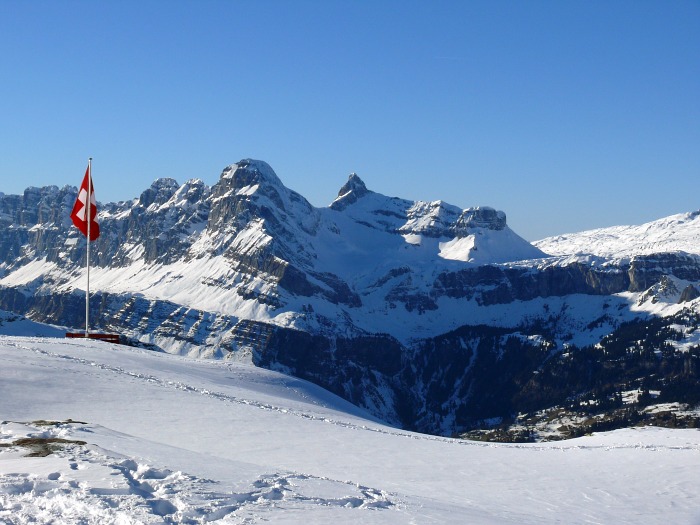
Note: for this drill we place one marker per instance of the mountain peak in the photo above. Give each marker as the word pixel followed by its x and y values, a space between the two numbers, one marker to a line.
pixel 352 190
pixel 248 172
pixel 160 192
pixel 354 183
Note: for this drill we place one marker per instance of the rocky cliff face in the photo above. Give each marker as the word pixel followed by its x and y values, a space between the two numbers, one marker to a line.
pixel 432 316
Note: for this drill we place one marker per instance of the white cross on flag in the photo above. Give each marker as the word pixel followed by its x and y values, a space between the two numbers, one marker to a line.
pixel 79 213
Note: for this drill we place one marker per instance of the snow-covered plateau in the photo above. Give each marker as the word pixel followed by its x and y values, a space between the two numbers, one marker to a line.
pixel 677 233
pixel 94 433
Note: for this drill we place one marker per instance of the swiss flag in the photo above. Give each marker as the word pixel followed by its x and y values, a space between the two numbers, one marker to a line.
pixel 79 213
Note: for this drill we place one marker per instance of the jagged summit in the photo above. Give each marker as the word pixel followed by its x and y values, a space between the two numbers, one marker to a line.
pixel 354 183
pixel 249 192
pixel 352 190
pixel 160 192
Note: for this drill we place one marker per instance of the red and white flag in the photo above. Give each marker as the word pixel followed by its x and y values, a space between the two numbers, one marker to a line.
pixel 79 214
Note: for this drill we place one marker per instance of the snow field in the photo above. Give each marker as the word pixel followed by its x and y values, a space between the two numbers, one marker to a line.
pixel 174 440
pixel 88 485
pixel 675 233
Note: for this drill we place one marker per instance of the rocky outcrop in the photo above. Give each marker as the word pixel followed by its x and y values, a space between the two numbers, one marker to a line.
pixel 480 217
pixel 645 271
pixel 689 293
pixel 349 193
pixel 501 285
pixel 162 221
pixel 31 224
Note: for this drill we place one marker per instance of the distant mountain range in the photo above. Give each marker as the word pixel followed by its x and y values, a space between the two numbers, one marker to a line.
pixel 433 317
pixel 677 233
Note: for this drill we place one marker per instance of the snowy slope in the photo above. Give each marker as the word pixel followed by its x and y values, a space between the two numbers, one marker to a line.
pixel 171 440
pixel 13 324
pixel 671 234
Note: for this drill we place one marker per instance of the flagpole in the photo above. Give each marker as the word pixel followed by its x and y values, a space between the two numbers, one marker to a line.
pixel 89 209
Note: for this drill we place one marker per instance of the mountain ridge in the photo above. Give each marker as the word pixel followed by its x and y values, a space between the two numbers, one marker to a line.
pixel 367 297
pixel 679 232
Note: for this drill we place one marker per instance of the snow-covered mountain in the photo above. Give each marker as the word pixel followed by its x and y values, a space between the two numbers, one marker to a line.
pixel 99 434
pixel 431 316
pixel 251 248
pixel 677 233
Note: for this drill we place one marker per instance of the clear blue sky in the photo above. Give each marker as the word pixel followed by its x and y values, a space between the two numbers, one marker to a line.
pixel 566 115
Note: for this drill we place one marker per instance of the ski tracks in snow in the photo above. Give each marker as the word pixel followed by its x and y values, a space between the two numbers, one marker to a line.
pixel 165 383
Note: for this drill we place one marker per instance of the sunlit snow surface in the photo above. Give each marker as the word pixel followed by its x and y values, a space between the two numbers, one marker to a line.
pixel 173 440
pixel 679 232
